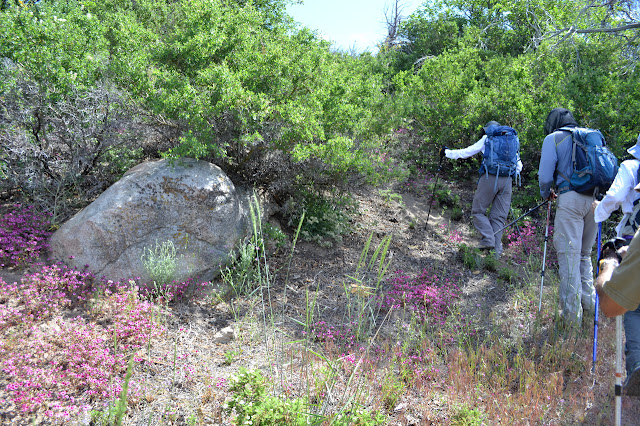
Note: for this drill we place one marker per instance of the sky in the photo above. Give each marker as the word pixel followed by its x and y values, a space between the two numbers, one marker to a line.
pixel 358 24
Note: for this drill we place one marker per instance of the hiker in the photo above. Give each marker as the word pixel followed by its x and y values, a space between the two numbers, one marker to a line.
pixel 574 231
pixel 498 145
pixel 619 293
pixel 622 193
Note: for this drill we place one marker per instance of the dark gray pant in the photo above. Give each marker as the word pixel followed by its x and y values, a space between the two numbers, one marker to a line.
pixel 498 196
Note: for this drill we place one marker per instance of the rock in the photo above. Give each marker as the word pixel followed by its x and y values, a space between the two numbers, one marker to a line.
pixel 401 407
pixel 191 203
pixel 225 335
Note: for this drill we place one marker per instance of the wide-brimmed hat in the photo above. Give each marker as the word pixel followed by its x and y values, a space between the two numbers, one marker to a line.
pixel 635 150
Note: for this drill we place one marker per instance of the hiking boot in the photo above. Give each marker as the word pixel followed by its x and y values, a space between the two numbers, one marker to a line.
pixel 631 386
pixel 484 247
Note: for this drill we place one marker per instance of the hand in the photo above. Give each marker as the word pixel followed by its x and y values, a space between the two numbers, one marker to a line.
pixel 442 152
pixel 594 205
pixel 615 248
pixel 608 252
pixel 622 251
pixel 552 195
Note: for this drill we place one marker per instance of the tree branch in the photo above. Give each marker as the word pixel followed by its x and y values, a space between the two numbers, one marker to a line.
pixel 609 30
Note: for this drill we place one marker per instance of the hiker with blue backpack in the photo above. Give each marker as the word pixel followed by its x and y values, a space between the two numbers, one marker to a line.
pixel 575 168
pixel 622 193
pixel 501 163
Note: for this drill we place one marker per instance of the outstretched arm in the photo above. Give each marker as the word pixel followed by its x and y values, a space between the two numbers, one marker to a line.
pixel 467 152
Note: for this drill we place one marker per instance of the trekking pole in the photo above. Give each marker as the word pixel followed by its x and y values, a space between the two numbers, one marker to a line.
pixel 434 190
pixel 518 219
pixel 618 387
pixel 544 255
pixel 595 317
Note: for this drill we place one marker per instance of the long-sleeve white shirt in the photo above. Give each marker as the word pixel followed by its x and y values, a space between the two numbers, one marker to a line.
pixel 472 150
pixel 621 193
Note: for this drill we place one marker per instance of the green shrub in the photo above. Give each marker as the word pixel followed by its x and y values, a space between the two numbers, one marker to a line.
pixel 244 273
pixel 389 196
pixel 274 235
pixel 326 220
pixel 490 262
pixel 359 417
pixel 252 404
pixel 465 416
pixel 507 274
pixel 471 257
pixel 456 214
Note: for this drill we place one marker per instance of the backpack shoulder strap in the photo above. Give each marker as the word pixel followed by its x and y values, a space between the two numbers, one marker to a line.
pixel 566 129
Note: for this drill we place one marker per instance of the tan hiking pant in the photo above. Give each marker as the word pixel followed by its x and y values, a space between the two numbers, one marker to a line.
pixel 574 235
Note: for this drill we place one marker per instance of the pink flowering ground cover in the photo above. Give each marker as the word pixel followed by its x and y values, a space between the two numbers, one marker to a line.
pixel 428 295
pixel 65 342
pixel 23 235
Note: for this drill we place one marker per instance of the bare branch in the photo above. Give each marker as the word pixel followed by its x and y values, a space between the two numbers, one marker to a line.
pixel 393 19
pixel 609 30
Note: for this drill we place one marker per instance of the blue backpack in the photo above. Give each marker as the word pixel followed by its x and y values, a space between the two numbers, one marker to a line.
pixel 501 151
pixel 594 166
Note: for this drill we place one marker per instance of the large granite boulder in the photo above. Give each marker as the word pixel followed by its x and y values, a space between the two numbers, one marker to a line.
pixel 188 202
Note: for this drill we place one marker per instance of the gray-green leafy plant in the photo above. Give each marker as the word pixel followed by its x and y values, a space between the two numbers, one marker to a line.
pixel 160 262
pixel 242 275
pixel 275 235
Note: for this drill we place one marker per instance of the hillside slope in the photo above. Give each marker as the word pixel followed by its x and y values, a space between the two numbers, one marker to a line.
pixel 493 359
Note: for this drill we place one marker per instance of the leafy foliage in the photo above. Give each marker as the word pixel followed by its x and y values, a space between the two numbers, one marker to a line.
pixel 326 217
pixel 61 119
pixel 198 60
pixel 160 262
pixel 252 404
pixel 88 89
